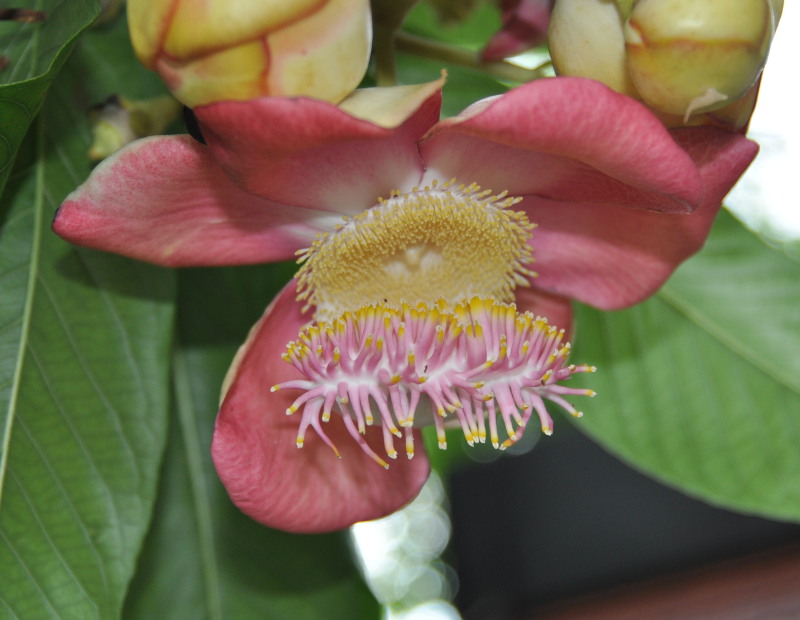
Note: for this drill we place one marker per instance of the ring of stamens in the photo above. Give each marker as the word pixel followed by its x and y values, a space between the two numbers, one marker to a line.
pixel 474 362
pixel 442 241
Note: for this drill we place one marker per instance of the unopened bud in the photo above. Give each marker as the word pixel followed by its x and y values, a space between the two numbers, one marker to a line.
pixel 213 50
pixel 687 57
pixel 680 57
pixel 586 39
pixel 119 120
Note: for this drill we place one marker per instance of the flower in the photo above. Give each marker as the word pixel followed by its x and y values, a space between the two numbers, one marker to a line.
pixel 682 58
pixel 524 26
pixel 214 50
pixel 618 202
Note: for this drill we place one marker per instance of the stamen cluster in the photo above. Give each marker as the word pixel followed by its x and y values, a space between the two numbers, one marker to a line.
pixel 474 362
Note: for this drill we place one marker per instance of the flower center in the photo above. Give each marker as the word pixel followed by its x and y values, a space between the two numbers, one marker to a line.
pixel 475 362
pixel 412 308
pixel 443 241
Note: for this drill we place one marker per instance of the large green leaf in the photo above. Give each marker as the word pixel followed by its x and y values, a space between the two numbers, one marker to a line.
pixel 34 53
pixel 203 558
pixel 84 342
pixel 700 385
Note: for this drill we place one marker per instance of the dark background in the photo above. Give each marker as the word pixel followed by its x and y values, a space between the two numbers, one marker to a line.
pixel 567 519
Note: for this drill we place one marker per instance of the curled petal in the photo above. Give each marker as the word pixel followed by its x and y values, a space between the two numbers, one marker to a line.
pixel 613 257
pixel 571 140
pixel 267 477
pixel 165 200
pixel 313 154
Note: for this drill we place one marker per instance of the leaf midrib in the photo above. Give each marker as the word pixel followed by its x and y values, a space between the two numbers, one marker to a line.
pixel 27 310
pixel 726 339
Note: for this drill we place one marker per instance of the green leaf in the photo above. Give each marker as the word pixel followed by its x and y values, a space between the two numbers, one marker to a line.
pixel 478 25
pixel 35 53
pixel 700 385
pixel 84 343
pixel 203 558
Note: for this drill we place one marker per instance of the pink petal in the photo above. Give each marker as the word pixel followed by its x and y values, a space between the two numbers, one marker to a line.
pixel 555 308
pixel 566 139
pixel 524 26
pixel 613 257
pixel 312 154
pixel 165 200
pixel 267 477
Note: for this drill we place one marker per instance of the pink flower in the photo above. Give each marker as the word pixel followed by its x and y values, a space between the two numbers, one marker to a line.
pixel 618 202
pixel 524 26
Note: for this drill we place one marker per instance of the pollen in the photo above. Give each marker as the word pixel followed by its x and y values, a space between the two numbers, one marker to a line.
pixel 445 240
pixel 480 365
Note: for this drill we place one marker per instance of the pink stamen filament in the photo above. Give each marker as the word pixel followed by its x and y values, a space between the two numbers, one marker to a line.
pixel 481 360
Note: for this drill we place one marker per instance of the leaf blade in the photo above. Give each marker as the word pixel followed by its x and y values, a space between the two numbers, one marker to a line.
pixel 84 389
pixel 34 63
pixel 689 390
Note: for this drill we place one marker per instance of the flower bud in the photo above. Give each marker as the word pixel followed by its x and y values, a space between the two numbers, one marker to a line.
pixel 214 50
pixel 586 39
pixel 687 57
pixel 680 57
pixel 119 121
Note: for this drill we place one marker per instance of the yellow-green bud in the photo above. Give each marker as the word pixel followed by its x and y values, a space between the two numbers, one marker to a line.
pixel 213 50
pixel 120 120
pixel 688 56
pixel 586 39
pixel 680 57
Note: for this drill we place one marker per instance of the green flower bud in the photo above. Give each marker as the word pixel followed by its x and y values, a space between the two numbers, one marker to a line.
pixel 119 120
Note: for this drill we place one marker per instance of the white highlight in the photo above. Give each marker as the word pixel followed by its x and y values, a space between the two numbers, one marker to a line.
pixel 766 197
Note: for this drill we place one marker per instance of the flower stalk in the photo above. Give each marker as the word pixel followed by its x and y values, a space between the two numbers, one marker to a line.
pixel 435 50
